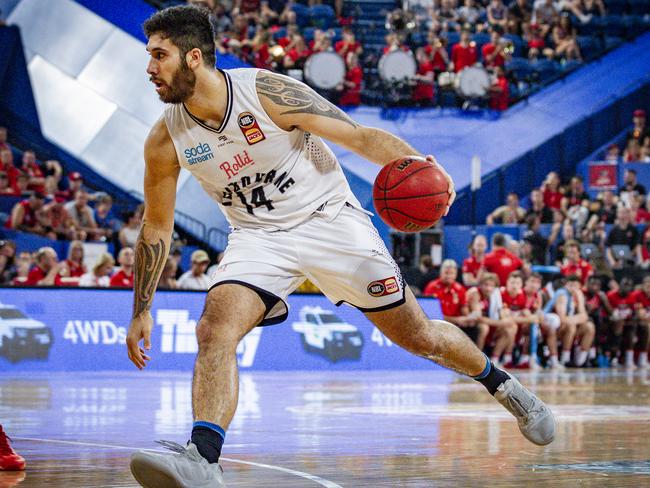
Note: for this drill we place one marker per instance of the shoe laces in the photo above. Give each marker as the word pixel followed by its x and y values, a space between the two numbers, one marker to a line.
pixel 173 446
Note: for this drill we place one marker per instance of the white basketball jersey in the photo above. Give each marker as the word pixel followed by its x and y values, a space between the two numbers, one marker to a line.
pixel 262 176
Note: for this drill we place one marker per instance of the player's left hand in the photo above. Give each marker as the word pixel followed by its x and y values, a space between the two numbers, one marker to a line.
pixel 452 188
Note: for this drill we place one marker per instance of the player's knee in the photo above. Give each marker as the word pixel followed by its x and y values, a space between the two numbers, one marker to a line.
pixel 212 334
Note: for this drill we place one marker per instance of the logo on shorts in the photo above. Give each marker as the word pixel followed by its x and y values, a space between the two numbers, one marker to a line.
pixel 250 128
pixel 383 287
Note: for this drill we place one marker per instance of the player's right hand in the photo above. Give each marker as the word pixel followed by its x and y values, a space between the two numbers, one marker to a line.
pixel 140 329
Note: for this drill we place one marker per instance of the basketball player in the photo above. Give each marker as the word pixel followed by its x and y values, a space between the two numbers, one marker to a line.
pixel 253 140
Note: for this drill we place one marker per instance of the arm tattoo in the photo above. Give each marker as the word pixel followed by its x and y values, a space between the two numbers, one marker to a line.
pixel 298 97
pixel 149 262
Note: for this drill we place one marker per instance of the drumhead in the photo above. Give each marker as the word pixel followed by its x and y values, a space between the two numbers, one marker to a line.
pixel 473 82
pixel 397 65
pixel 325 70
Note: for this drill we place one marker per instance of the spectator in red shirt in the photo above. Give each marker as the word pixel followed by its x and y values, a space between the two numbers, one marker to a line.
pixel 463 54
pixel 46 270
pixel 450 293
pixel 75 182
pixel 437 53
pixel 352 84
pixel 487 308
pixel 297 54
pixel 5 187
pixel 348 44
pixel 31 168
pixel 574 264
pixel 622 323
pixel 24 215
pixel 74 264
pixel 474 266
pixel 494 51
pixel 549 323
pixel 642 307
pixel 500 261
pixel 552 192
pixel 56 221
pixel 500 91
pixel 124 276
pixel 515 301
pixel 7 166
pixel 424 91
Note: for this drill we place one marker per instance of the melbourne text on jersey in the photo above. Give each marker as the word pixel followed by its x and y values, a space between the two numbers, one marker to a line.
pixel 257 195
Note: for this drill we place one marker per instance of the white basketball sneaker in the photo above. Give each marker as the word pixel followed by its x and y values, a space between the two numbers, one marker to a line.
pixel 535 419
pixel 184 468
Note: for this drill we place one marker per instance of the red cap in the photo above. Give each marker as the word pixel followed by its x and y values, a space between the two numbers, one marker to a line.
pixel 639 113
pixel 74 176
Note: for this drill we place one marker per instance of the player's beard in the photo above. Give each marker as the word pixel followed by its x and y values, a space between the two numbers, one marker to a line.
pixel 181 87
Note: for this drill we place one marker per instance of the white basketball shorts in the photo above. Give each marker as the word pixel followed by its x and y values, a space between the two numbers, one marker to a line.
pixel 344 257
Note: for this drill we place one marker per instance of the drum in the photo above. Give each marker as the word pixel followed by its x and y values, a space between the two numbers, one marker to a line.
pixel 397 66
pixel 446 80
pixel 325 70
pixel 473 82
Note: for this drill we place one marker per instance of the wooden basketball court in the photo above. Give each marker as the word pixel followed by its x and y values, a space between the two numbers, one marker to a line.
pixel 361 429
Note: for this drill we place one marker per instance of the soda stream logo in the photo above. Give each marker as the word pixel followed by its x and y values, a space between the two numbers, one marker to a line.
pixel 202 152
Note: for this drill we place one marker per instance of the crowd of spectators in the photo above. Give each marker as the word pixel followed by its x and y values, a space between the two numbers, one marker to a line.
pixel 580 273
pixel 38 198
pixel 443 36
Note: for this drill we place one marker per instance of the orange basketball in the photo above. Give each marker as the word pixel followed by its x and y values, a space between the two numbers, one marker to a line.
pixel 410 194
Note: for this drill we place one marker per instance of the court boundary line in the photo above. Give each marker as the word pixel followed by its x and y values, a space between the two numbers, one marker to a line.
pixel 316 479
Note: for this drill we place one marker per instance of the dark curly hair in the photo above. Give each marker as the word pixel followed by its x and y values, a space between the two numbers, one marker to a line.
pixel 186 26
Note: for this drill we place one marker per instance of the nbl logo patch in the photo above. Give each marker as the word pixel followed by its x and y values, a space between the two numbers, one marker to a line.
pixel 250 128
pixel 383 287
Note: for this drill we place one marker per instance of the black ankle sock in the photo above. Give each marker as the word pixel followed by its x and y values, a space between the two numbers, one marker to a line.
pixel 208 442
pixel 493 378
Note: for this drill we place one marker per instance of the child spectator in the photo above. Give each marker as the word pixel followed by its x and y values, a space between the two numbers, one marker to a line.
pixel 100 274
